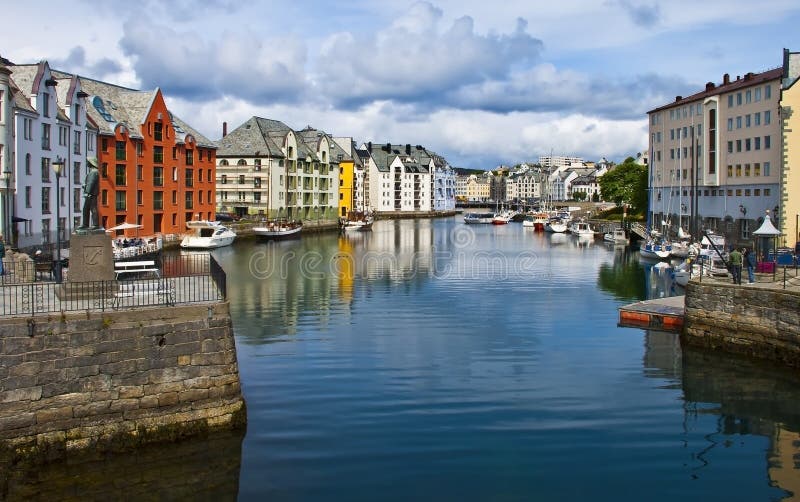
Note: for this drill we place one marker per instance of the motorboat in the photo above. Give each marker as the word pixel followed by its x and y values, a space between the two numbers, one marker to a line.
pixel 686 271
pixel 556 226
pixel 655 250
pixel 203 234
pixel 503 218
pixel 528 221
pixel 714 266
pixel 137 248
pixel 581 229
pixel 712 244
pixel 475 218
pixel 278 229
pixel 616 237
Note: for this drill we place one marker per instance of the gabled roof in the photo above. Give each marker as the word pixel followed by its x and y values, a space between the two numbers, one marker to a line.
pixel 254 138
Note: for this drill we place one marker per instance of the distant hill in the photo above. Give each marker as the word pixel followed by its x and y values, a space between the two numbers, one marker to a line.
pixel 464 171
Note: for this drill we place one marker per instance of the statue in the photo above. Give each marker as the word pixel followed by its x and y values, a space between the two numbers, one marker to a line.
pixel 91 188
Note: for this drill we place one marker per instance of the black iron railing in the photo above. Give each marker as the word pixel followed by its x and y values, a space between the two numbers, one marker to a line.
pixel 181 280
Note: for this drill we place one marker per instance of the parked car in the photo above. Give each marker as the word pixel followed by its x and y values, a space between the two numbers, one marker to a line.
pixel 226 217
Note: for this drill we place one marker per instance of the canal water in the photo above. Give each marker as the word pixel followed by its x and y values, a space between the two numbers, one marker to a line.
pixel 429 359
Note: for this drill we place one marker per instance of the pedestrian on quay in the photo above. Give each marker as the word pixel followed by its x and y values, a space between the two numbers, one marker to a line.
pixel 736 266
pixel 749 258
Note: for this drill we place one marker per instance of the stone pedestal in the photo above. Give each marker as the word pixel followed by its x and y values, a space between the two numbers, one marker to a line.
pixel 91 259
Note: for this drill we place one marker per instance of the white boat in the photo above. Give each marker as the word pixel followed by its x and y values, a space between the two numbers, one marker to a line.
pixel 278 229
pixel 205 234
pixel 709 242
pixel 714 266
pixel 503 218
pixel 357 222
pixel 581 229
pixel 483 218
pixel 617 236
pixel 655 250
pixel 556 226
pixel 137 248
pixel 528 221
pixel 680 249
pixel 684 272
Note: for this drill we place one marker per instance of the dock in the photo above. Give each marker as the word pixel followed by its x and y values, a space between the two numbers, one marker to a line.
pixel 665 314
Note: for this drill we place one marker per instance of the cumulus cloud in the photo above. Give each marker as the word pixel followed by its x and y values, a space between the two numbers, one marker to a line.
pixel 414 60
pixel 641 14
pixel 76 62
pixel 243 62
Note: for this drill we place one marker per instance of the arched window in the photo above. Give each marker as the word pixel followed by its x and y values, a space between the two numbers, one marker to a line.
pixel 241 162
pixel 223 162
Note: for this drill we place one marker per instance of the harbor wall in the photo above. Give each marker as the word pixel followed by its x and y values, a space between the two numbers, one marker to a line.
pixel 757 322
pixel 115 380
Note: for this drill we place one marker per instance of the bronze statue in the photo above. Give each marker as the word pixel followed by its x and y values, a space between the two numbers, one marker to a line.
pixel 91 188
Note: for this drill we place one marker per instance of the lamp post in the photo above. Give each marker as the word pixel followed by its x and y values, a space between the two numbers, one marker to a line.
pixel 58 166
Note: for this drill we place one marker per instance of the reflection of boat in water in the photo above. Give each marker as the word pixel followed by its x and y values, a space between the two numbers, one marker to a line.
pixel 616 237
pixel 654 250
pixel 556 239
pixel 207 235
pixel 278 229
pixel 482 218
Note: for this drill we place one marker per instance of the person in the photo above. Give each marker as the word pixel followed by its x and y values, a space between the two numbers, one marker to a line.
pixel 91 187
pixel 2 255
pixel 750 262
pixel 736 266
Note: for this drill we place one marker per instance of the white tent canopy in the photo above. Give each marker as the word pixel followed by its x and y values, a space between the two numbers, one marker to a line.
pixel 123 226
pixel 767 229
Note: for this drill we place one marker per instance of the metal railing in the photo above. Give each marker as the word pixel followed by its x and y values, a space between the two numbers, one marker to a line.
pixel 182 280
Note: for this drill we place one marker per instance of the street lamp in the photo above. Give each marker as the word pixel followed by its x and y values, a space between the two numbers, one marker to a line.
pixel 58 166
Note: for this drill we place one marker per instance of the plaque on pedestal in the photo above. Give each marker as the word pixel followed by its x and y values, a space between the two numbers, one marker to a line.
pixel 91 259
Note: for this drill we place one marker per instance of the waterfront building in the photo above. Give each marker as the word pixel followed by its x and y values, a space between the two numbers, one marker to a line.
pixel 50 124
pixel 477 187
pixel 266 169
pixel 444 187
pixel 351 177
pixel 790 180
pixel 715 156
pixel 559 161
pixel 7 97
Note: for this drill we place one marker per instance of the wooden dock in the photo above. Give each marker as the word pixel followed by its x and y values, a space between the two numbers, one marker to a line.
pixel 665 314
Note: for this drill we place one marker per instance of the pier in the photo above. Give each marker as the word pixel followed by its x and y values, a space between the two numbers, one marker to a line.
pixel 666 314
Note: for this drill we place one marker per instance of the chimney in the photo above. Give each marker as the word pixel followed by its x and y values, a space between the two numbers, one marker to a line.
pixel 408 148
pixel 709 86
pixel 726 79
pixel 678 98
pixel 224 129
pixel 369 147
pixel 748 76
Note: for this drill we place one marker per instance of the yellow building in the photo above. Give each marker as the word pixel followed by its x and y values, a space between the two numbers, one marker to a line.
pixel 346 186
pixel 790 179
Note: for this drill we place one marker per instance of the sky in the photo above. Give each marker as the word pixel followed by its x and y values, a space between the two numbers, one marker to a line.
pixel 482 83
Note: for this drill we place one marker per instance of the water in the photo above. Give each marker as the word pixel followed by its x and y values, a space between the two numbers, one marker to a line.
pixel 430 359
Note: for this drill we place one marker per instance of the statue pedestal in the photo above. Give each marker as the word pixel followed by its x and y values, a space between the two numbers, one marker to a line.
pixel 91 259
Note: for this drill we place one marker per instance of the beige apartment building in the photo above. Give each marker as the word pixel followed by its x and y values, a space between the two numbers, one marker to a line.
pixel 716 158
pixel 790 117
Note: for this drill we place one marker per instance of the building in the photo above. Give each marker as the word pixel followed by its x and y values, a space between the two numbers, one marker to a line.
pixel 47 114
pixel 351 177
pixel 715 157
pixel 789 225
pixel 550 161
pixel 266 169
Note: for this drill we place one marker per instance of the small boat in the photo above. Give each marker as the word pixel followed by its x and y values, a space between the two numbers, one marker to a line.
pixel 655 250
pixel 138 248
pixel 528 221
pixel 357 221
pixel 714 266
pixel 205 234
pixel 686 271
pixel 482 218
pixel 278 229
pixel 556 226
pixel 616 237
pixel 581 229
pixel 709 242
pixel 503 218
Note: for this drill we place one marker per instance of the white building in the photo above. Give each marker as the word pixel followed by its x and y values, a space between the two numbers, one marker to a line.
pixel 50 126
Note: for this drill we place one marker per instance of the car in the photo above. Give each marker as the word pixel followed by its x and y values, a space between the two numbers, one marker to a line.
pixel 224 217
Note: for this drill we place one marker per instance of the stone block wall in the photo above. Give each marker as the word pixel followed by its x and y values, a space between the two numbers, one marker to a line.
pixel 112 380
pixel 757 322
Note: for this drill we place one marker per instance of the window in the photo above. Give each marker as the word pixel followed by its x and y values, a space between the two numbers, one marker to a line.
pixel 119 197
pixel 76 200
pixel 104 170
pixel 767 92
pixel 757 94
pixel 174 174
pixel 766 173
pixel 46 231
pixel 200 154
pixel 766 142
pixel 208 175
pixel 45 136
pixel 241 179
pixel 76 173
pixel 174 153
pixel 104 144
pixel 748 96
pixel 747 169
pixel 174 197
pixel 158 200
pixel 63 136
pixel 139 149
pixel 767 117
pixel 223 179
pixel 200 175
pixel 158 154
pixel 747 120
pixel 139 197
pixel 27 129
pixel 757 119
pixel 200 197
pixel 739 122
pixel 757 141
pixel 738 98
pixel 119 178
pixel 730 193
pixel 45 104
pixel 730 146
pixel 28 197
pixel 756 192
pixel 189 200
pixel 76 143
pixel 46 200
pixel 672 134
pixel 45 169
pixel 257 197
pixel 139 172
pixel 730 124
pixel 28 164
pixel 158 176
pixel 257 164
pixel 257 182
pixel 189 178
pixel 738 145
pixel 189 157
pixel 730 171
pixel 767 191
pixel 158 131
pixel 757 169
pixel 730 100
pixel 747 144
pixel 671 153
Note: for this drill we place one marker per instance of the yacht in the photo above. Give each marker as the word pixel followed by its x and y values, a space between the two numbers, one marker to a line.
pixel 655 250
pixel 357 221
pixel 617 236
pixel 581 229
pixel 556 225
pixel 278 229
pixel 473 218
pixel 503 218
pixel 205 234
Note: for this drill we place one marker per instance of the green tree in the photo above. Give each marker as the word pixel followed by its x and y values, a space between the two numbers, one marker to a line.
pixel 626 184
pixel 579 196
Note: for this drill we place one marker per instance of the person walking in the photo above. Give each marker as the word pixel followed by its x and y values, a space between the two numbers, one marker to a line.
pixel 736 266
pixel 750 262
pixel 2 255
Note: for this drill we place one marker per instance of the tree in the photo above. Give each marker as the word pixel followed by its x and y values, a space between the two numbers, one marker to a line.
pixel 626 184
pixel 579 196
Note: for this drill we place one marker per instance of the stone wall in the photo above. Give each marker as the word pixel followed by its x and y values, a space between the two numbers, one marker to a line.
pixel 112 380
pixel 758 322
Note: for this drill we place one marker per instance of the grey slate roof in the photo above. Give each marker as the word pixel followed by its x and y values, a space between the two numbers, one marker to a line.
pixel 254 138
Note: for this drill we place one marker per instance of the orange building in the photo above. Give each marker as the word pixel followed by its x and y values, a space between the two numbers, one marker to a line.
pixel 155 170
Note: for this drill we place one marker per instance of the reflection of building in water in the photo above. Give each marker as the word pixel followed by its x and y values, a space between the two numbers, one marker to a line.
pixel 345 269
pixel 399 249
pixel 783 461
pixel 662 354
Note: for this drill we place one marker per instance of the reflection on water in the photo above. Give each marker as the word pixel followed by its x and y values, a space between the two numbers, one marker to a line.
pixel 200 469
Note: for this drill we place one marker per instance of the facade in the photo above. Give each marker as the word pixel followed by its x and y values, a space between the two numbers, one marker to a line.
pixel 266 169
pixel 550 161
pixel 7 96
pixel 50 125
pixel 715 156
pixel 155 170
pixel 790 181
pixel 351 178
pixel 444 188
